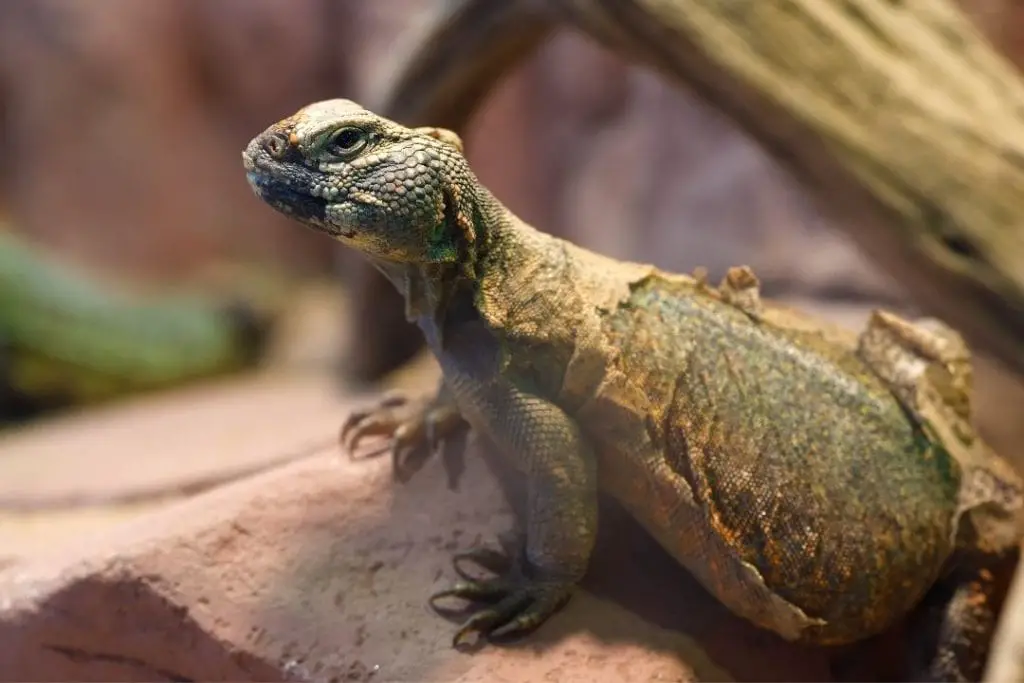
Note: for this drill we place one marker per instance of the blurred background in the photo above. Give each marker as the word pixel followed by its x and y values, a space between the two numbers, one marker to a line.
pixel 122 193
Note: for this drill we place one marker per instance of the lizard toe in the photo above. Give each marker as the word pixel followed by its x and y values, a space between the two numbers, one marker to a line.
pixel 408 454
pixel 519 606
pixel 383 418
pixel 421 435
pixel 517 603
pixel 473 590
pixel 494 561
pixel 485 621
pixel 453 449
pixel 442 422
pixel 545 602
pixel 415 431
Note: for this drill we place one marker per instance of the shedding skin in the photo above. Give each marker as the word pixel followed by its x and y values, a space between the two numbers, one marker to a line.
pixel 821 484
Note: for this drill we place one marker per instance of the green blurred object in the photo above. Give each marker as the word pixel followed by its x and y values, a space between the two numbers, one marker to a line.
pixel 68 340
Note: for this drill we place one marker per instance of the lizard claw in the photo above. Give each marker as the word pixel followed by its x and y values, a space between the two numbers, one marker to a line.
pixel 494 561
pixel 376 420
pixel 518 603
pixel 414 430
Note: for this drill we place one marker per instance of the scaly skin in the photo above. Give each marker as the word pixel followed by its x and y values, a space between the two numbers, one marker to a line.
pixel 67 340
pixel 765 451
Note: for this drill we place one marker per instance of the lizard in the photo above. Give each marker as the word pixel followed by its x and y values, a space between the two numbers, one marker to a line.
pixel 806 476
pixel 67 339
pixel 773 72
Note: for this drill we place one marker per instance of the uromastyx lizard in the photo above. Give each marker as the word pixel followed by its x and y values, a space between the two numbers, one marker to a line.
pixel 818 483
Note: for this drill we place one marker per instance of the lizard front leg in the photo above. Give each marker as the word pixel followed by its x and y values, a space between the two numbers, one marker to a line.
pixel 416 428
pixel 561 514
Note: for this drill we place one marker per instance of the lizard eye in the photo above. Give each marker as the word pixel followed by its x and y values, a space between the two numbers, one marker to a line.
pixel 346 142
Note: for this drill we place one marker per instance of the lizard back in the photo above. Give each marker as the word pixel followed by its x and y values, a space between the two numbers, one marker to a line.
pixel 705 432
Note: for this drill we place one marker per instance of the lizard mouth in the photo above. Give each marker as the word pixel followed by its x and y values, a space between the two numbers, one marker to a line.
pixel 295 203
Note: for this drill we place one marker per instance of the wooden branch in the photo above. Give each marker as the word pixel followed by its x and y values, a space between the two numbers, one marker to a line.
pixel 900 117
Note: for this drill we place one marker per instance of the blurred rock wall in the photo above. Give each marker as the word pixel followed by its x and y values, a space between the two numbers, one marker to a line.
pixel 123 122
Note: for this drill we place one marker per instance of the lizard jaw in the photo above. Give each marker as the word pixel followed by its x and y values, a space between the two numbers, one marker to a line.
pixel 284 197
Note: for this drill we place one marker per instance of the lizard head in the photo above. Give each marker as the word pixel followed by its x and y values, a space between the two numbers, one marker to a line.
pixel 394 193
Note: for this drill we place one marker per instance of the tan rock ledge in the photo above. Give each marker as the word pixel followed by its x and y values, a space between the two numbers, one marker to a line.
pixel 319 570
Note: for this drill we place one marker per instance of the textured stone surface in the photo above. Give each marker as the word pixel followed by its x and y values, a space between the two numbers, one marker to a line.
pixel 188 436
pixel 319 570
pixel 70 476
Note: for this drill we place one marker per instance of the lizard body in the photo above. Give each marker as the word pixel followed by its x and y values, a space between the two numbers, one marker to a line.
pixel 767 452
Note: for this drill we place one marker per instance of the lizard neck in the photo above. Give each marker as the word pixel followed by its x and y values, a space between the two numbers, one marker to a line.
pixel 500 254
pixel 519 271
pixel 504 241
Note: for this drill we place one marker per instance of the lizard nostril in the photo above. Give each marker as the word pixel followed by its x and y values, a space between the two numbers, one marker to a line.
pixel 276 145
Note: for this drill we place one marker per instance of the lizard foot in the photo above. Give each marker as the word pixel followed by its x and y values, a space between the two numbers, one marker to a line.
pixel 415 430
pixel 518 602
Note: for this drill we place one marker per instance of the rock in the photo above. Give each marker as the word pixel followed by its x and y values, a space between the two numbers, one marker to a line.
pixel 71 458
pixel 73 475
pixel 319 570
pixel 124 122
